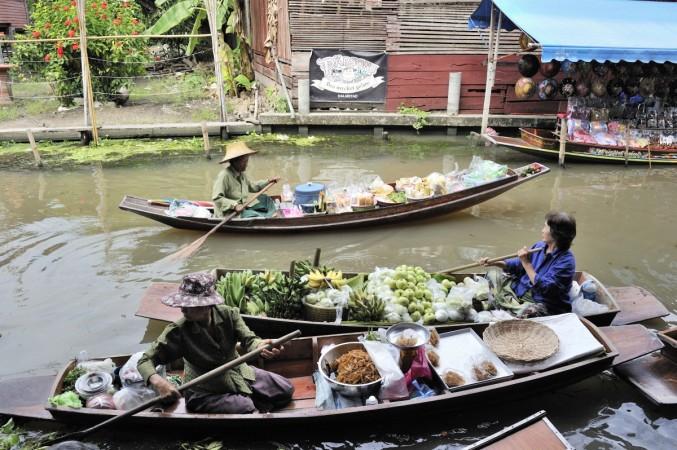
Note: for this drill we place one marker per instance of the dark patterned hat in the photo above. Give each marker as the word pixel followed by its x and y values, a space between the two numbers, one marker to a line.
pixel 197 289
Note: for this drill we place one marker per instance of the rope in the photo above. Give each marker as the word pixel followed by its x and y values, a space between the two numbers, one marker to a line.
pixel 38 82
pixel 145 76
pixel 50 96
pixel 149 62
pixel 135 94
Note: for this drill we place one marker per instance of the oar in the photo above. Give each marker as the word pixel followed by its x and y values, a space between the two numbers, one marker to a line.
pixel 192 248
pixel 489 261
pixel 190 384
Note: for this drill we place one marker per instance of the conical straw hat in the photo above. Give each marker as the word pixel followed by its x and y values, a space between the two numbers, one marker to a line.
pixel 235 150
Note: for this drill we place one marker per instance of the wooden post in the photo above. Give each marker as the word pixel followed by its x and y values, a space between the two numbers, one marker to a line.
pixel 210 6
pixel 454 93
pixel 34 147
pixel 304 97
pixel 256 101
pixel 284 85
pixel 490 73
pixel 205 139
pixel 562 141
pixel 626 153
pixel 88 94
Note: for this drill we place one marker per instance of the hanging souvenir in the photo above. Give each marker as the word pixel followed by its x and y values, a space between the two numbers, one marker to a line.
pixel 650 70
pixel 646 86
pixel 600 69
pixel 547 89
pixel 550 69
pixel 583 68
pixel 568 67
pixel 525 42
pixel 661 88
pixel 668 68
pixel 582 88
pixel 528 65
pixel 614 87
pixel 620 69
pixel 525 88
pixel 568 87
pixel 631 87
pixel 635 70
pixel 598 88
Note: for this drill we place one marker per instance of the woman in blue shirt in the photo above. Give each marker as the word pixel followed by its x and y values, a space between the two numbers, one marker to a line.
pixel 545 276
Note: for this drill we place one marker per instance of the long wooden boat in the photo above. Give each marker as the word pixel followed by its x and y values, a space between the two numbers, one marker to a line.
pixel 438 205
pixel 533 432
pixel 298 363
pixel 543 143
pixel 151 308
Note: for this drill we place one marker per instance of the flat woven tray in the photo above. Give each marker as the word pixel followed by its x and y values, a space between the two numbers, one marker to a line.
pixel 521 340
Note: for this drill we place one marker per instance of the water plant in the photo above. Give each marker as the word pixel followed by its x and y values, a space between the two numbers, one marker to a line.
pixel 421 117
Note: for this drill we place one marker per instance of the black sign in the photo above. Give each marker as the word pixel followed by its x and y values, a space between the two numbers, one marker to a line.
pixel 346 76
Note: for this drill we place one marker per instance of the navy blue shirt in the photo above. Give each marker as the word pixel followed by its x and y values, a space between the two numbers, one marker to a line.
pixel 554 273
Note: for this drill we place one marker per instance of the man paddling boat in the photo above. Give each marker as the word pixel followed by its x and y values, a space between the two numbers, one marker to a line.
pixel 232 186
pixel 205 338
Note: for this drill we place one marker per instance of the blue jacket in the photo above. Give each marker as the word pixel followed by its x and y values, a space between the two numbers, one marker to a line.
pixel 554 274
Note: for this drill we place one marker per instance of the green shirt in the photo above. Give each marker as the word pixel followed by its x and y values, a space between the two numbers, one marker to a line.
pixel 202 352
pixel 231 188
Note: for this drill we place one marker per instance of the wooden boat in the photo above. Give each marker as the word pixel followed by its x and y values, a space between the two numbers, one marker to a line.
pixel 438 205
pixel 299 361
pixel 655 374
pixel 152 308
pixel 543 143
pixel 536 431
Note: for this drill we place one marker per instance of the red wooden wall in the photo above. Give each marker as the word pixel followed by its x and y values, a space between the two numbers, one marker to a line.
pixel 13 12
pixel 423 81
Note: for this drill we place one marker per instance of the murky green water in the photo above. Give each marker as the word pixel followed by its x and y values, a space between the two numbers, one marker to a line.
pixel 73 267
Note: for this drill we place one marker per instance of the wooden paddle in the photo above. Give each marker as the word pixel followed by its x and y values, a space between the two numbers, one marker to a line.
pixel 192 248
pixel 202 378
pixel 489 261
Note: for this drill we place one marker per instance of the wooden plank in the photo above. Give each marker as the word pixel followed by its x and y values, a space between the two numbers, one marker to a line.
pixel 26 396
pixel 151 307
pixel 636 304
pixel 654 375
pixel 536 436
pixel 304 387
pixel 631 341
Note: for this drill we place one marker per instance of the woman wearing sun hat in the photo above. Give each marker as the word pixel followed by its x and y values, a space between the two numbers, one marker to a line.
pixel 232 187
pixel 205 338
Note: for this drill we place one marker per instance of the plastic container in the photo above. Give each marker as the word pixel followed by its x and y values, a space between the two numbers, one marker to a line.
pixel 307 193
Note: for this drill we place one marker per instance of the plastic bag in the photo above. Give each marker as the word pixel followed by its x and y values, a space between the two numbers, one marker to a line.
pixel 419 367
pixel 437 182
pixel 129 374
pixel 324 395
pixel 385 357
pixel 106 365
pixel 132 396
pixel 584 307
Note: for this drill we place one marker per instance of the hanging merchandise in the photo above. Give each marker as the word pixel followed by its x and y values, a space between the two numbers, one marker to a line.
pixel 620 69
pixel 550 69
pixel 525 88
pixel 598 88
pixel 582 88
pixel 668 68
pixel 528 65
pixel 614 87
pixel 650 70
pixel 583 68
pixel 547 89
pixel 568 87
pixel 631 87
pixel 646 86
pixel 635 70
pixel 568 67
pixel 600 69
pixel 526 43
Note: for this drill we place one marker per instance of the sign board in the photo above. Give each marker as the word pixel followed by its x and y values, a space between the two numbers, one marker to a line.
pixel 345 76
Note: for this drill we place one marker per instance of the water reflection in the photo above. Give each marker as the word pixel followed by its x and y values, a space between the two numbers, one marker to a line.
pixel 73 266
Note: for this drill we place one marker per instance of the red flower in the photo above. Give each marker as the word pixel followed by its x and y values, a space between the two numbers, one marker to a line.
pixel 47 57
pixel 117 21
pixel 75 47
pixel 134 33
pixel 94 5
pixel 76 20
pixel 135 21
pixel 104 5
pixel 68 22
pixel 59 52
pixel 48 26
pixel 74 3
pixel 71 33
pixel 103 17
pixel 36 34
pixel 66 8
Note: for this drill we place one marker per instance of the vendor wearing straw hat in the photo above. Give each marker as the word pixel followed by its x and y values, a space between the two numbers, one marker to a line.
pixel 205 338
pixel 232 187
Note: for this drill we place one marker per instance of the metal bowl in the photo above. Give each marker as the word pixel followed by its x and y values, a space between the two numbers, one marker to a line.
pixel 416 329
pixel 349 390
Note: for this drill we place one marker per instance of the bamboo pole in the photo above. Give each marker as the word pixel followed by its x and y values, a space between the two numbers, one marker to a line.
pixel 562 141
pixel 284 85
pixel 86 73
pixel 490 67
pixel 34 148
pixel 99 38
pixel 205 139
pixel 210 6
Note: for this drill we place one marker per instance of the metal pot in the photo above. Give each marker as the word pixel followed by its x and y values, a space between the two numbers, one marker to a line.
pixel 528 65
pixel 349 390
pixel 550 69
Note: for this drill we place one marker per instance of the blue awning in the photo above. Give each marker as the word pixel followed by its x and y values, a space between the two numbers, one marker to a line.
pixel 586 30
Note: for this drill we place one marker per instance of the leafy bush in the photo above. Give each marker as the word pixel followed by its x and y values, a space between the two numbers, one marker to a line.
pixel 421 117
pixel 112 61
pixel 277 101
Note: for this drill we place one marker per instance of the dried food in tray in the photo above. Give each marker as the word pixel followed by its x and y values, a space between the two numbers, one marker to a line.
pixel 465 361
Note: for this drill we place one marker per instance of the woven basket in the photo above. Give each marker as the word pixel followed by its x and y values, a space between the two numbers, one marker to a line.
pixel 315 313
pixel 521 340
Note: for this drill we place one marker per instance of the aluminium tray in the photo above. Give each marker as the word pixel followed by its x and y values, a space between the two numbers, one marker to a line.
pixel 459 350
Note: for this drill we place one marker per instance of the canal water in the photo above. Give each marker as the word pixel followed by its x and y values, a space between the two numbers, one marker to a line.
pixel 73 268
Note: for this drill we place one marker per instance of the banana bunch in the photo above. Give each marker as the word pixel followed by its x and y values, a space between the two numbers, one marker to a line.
pixel 319 279
pixel 365 307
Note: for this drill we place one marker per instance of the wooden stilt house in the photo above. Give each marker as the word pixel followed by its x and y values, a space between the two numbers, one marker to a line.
pixel 425 40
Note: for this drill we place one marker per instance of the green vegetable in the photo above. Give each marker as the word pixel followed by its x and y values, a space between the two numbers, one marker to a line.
pixel 69 398
pixel 71 377
pixel 14 438
pixel 397 197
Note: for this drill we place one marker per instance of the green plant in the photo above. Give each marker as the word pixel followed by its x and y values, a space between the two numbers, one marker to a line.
pixel 13 437
pixel 421 117
pixel 112 62
pixel 277 101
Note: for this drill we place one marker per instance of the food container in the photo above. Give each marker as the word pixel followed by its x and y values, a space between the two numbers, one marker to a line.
pixel 410 330
pixel 307 193
pixel 349 390
pixel 93 383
